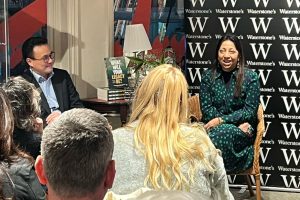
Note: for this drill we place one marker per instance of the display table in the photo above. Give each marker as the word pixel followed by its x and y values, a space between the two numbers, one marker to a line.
pixel 102 106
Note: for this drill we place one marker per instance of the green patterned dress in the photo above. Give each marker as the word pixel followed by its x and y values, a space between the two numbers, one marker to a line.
pixel 217 100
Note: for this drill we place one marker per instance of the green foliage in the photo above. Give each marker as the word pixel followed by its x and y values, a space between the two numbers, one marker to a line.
pixel 138 63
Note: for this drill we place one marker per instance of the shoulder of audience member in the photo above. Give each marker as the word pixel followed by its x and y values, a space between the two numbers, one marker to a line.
pixel 20 166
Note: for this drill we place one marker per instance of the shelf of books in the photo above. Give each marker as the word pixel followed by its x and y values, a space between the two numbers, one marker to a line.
pixel 123 13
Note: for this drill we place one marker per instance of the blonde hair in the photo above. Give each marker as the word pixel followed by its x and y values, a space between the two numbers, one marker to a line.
pixel 161 105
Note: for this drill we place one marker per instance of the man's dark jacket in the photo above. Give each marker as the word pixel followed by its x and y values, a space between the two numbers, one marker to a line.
pixel 65 91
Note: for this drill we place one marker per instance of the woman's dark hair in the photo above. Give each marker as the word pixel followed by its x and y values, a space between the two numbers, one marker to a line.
pixel 8 151
pixel 24 100
pixel 240 64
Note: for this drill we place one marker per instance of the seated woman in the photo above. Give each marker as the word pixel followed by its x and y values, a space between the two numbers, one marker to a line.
pixel 17 164
pixel 229 95
pixel 25 99
pixel 159 150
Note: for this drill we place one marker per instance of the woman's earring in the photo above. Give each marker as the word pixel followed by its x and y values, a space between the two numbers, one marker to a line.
pixel 238 64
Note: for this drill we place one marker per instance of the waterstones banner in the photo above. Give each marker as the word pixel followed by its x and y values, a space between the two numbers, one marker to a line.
pixel 270 33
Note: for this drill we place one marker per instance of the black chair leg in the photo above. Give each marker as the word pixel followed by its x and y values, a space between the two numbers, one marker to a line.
pixel 249 185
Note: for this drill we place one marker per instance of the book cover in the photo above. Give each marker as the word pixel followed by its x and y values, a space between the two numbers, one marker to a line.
pixel 117 74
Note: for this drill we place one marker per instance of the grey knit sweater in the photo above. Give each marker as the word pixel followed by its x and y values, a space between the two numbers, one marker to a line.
pixel 131 168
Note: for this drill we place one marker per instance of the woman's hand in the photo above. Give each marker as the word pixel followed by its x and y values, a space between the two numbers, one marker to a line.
pixel 246 128
pixel 212 123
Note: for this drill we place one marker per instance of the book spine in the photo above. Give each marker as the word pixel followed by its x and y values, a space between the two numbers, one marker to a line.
pixel 115 98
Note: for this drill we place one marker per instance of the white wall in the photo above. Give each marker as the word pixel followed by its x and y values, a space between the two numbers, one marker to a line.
pixel 81 34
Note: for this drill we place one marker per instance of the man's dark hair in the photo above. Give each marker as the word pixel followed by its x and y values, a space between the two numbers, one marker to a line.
pixel 29 44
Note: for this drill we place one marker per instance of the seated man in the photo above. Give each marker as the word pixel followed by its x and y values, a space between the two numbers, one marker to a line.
pixel 58 91
pixel 76 156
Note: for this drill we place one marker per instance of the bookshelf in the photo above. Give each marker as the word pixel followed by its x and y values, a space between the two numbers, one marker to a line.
pixel 123 13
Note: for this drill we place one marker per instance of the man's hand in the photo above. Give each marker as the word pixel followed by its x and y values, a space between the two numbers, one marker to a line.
pixel 38 125
pixel 55 114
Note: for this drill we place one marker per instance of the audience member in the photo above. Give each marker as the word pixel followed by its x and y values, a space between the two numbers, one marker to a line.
pixel 229 102
pixel 16 163
pixel 76 156
pixel 24 99
pixel 148 194
pixel 58 91
pixel 171 195
pixel 159 150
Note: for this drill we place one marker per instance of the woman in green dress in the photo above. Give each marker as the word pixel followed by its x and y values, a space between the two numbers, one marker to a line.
pixel 229 96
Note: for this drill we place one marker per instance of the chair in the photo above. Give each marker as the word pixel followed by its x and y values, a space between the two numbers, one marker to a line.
pixel 255 169
pixel 196 115
pixel 194 109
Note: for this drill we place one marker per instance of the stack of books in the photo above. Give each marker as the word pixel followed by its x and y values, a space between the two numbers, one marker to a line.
pixel 129 94
pixel 108 94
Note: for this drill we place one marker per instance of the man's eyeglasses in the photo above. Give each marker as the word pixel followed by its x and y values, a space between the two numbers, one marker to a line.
pixel 46 58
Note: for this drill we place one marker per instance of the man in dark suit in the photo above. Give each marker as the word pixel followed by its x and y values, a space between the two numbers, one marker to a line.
pixel 58 91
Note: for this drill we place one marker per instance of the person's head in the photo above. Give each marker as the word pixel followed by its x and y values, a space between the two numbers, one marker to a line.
pixel 7 147
pixel 24 99
pixel 38 55
pixel 163 93
pixel 229 52
pixel 76 156
pixel 230 56
pixel 160 105
pixel 8 151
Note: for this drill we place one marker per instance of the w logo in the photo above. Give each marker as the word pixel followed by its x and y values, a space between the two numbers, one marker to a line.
pixel 261 24
pixel 263 181
pixel 197 49
pixel 264 102
pixel 294 24
pixel 264 154
pixel 265 2
pixel 264 77
pixel 229 23
pixel 292 50
pixel 194 74
pixel 233 2
pixel 292 181
pixel 262 49
pixel 292 129
pixel 290 2
pixel 266 128
pixel 289 77
pixel 200 1
pixel 291 103
pixel 197 23
pixel 231 179
pixel 288 156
